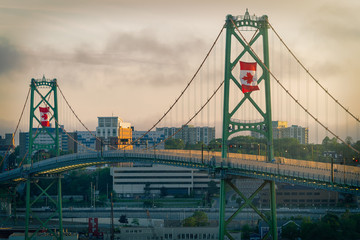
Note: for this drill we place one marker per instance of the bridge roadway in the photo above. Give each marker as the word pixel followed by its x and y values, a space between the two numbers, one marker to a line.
pixel 340 178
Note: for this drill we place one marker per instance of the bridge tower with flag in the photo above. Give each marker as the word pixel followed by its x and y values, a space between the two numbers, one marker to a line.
pixel 43 114
pixel 246 83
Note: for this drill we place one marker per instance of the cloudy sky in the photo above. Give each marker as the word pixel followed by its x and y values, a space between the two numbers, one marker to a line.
pixel 107 52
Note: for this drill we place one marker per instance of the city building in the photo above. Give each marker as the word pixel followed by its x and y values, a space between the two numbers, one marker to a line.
pixel 114 133
pixel 173 233
pixel 6 144
pixel 131 181
pixel 288 195
pixel 44 138
pixel 190 134
pixel 87 141
pixel 282 130
pixel 151 139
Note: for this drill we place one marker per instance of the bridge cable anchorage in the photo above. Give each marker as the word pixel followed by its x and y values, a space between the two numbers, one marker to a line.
pixel 184 90
pixel 307 70
pixel 288 92
pixel 202 107
pixel 72 110
pixel 17 126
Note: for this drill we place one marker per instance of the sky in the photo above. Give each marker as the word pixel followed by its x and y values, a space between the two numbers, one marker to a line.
pixel 131 58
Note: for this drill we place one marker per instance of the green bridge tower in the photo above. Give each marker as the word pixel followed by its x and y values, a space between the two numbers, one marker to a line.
pixel 43 112
pixel 233 27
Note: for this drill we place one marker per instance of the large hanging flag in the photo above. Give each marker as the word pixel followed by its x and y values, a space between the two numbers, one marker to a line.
pixel 248 76
pixel 44 116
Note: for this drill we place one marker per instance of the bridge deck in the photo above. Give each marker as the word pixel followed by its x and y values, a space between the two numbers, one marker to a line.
pixel 319 175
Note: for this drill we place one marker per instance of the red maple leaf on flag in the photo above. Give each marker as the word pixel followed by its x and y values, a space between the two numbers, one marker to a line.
pixel 45 116
pixel 248 78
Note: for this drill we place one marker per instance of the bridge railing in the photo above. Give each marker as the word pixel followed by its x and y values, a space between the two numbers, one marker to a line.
pixel 342 174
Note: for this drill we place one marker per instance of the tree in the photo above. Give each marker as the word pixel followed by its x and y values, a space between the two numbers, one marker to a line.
pixel 212 188
pixel 198 219
pixel 147 190
pixel 189 222
pixel 104 180
pixel 245 231
pixel 135 221
pixel 174 144
pixel 123 219
pixel 163 191
pixel 290 231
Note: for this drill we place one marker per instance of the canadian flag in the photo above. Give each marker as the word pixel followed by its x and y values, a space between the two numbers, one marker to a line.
pixel 248 76
pixel 44 116
pixel 93 225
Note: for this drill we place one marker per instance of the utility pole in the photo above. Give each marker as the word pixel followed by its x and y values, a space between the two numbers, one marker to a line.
pixel 112 217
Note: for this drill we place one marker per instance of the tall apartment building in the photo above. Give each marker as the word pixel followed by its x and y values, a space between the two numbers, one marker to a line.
pixel 131 181
pixel 282 130
pixel 190 134
pixel 300 196
pixel 114 132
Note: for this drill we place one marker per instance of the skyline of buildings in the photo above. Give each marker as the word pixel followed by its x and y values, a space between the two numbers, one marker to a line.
pixel 282 130
pixel 118 133
pixel 6 143
pixel 190 134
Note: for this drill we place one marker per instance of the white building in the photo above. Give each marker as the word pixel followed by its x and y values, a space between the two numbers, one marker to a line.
pixel 114 127
pixel 131 181
pixel 109 126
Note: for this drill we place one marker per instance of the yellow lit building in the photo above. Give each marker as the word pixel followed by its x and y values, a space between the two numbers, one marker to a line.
pixel 114 133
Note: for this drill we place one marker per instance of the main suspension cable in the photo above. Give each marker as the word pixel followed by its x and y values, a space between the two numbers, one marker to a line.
pixel 77 117
pixel 202 107
pixel 183 91
pixel 17 126
pixel 287 91
pixel 312 76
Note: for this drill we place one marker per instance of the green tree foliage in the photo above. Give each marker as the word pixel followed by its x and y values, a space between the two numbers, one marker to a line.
pixel 245 232
pixel 290 231
pixel 147 190
pixel 174 144
pixel 135 221
pixel 291 148
pixel 163 191
pixel 198 219
pixel 332 227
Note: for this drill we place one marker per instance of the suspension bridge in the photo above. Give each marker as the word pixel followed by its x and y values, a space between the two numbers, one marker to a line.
pixel 215 95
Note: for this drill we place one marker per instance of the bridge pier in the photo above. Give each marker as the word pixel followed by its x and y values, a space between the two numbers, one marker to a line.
pixel 226 179
pixel 50 182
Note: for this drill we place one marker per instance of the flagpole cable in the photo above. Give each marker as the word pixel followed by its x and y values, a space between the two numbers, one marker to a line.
pixel 287 91
pixel 17 126
pixel 308 72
